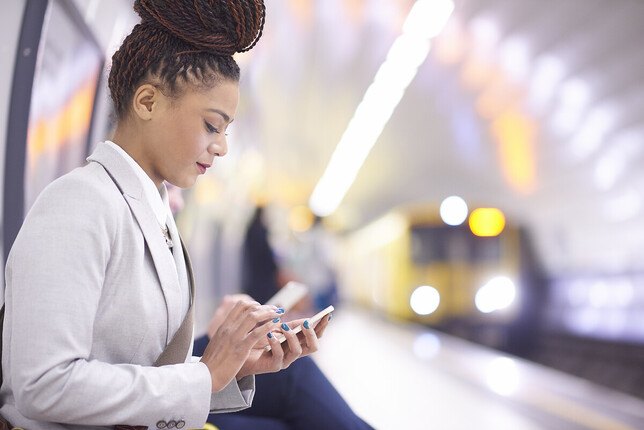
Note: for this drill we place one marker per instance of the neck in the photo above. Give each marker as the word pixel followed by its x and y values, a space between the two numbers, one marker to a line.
pixel 130 141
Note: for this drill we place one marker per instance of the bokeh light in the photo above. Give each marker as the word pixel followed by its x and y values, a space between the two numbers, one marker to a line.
pixel 425 300
pixel 498 293
pixel 503 376
pixel 487 222
pixel 453 210
pixel 427 346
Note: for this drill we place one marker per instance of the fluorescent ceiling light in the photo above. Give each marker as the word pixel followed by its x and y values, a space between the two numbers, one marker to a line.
pixel 485 31
pixel 599 121
pixel 425 20
pixel 514 56
pixel 549 71
pixel 574 98
pixel 624 149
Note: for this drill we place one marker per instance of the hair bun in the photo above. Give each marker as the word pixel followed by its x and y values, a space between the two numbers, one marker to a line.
pixel 222 27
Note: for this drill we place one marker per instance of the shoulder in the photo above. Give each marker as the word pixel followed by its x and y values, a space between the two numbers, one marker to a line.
pixel 83 206
pixel 86 186
pixel 88 179
pixel 85 195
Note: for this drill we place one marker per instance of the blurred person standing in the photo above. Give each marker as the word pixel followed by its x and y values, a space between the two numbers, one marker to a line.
pixel 260 272
pixel 312 260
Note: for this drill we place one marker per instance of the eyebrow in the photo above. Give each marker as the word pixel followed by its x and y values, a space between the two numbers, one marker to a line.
pixel 222 113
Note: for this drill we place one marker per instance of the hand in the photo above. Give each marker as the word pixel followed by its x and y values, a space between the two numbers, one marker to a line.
pixel 282 355
pixel 230 346
pixel 222 311
pixel 226 305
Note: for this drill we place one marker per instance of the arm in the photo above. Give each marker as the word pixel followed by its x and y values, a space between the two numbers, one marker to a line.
pixel 241 391
pixel 55 273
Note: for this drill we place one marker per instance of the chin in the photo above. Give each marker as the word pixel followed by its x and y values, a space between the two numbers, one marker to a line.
pixel 187 183
pixel 183 182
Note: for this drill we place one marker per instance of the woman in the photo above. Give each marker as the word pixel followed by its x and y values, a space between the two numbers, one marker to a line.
pixel 98 322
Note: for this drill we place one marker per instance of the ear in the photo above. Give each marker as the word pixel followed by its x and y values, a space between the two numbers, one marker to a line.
pixel 146 98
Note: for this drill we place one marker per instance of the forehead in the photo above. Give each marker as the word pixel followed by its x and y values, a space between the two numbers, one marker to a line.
pixel 223 96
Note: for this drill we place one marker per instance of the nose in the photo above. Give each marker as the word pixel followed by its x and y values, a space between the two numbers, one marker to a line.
pixel 218 147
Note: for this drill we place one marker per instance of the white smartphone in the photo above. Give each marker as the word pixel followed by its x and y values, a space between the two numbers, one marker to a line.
pixel 312 321
pixel 289 295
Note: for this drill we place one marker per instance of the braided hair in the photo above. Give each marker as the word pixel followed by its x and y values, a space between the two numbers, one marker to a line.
pixel 179 41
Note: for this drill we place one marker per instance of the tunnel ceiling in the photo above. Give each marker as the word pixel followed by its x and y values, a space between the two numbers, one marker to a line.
pixel 533 106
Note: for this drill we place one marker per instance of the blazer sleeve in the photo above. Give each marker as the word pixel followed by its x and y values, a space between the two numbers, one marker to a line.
pixel 56 271
pixel 235 396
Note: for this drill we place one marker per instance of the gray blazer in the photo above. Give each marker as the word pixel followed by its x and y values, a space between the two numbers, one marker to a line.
pixel 92 298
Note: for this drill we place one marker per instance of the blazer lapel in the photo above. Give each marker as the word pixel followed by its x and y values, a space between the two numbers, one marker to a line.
pixel 130 186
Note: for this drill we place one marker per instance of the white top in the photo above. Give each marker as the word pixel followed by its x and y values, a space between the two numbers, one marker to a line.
pixel 160 204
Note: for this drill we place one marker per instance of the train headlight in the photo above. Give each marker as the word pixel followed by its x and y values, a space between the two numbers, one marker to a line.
pixel 425 300
pixel 453 210
pixel 498 293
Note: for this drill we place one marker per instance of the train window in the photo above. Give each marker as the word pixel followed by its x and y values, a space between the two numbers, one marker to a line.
pixel 486 248
pixel 431 244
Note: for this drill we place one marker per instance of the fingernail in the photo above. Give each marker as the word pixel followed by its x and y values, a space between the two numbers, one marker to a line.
pixel 280 311
pixel 306 324
pixel 276 320
pixel 270 335
pixel 330 316
pixel 285 327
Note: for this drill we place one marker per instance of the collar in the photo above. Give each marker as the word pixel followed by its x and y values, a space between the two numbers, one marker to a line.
pixel 156 198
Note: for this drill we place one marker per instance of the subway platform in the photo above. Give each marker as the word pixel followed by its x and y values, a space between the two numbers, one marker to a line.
pixel 406 376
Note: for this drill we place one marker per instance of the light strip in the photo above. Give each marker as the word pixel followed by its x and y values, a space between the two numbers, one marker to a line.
pixel 426 19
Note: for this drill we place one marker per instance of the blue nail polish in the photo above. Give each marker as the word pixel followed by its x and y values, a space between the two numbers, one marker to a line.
pixel 306 324
pixel 270 335
pixel 280 311
pixel 285 327
pixel 276 320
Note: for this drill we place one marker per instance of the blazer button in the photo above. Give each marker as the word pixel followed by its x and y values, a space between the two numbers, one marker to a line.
pixel 172 424
pixel 181 424
pixel 162 424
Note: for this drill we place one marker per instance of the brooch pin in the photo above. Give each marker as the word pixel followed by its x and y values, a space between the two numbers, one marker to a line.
pixel 166 236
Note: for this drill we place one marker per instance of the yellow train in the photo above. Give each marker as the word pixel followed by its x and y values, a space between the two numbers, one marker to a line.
pixel 412 266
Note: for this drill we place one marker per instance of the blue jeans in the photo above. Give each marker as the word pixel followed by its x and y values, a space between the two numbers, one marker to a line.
pixel 298 397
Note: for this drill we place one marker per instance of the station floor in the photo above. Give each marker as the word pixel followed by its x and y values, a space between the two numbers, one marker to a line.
pixel 405 376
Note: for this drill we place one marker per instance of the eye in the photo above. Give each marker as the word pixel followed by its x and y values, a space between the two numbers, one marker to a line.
pixel 210 128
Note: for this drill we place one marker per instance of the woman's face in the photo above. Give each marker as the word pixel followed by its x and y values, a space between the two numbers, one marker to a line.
pixel 186 134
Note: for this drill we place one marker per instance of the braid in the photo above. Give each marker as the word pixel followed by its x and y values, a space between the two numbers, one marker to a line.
pixel 259 18
pixel 187 40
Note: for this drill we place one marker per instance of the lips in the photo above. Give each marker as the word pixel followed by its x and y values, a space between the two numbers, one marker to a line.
pixel 202 167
